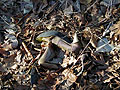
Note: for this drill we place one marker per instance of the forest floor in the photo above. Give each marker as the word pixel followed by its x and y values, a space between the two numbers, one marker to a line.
pixel 27 63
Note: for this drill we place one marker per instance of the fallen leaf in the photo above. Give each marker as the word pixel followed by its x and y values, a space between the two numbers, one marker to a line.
pixel 28 7
pixel 12 39
pixel 15 66
pixel 6 77
pixel 109 77
pixel 108 2
pixel 34 76
pixel 10 59
pixel 69 76
pixel 69 10
pixel 3 52
pixel 21 87
pixel 104 46
pixel 116 29
pixel 85 1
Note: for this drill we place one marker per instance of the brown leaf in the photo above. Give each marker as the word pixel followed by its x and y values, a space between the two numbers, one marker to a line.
pixel 117 26
pixel 86 33
pixel 3 52
pixel 69 75
pixel 10 59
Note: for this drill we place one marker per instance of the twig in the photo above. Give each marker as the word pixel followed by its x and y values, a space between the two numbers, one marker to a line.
pixel 32 63
pixel 51 9
pixel 102 46
pixel 27 51
pixel 91 6
pixel 23 19
pixel 85 47
pixel 37 57
pixel 107 29
pixel 109 10
pixel 4 20
pixel 82 57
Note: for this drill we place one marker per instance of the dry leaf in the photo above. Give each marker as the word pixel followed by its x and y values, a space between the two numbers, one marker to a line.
pixel 3 52
pixel 69 10
pixel 108 78
pixel 117 28
pixel 85 1
pixel 10 59
pixel 104 46
pixel 93 41
pixel 21 87
pixel 69 76
pixel 86 33
pixel 108 2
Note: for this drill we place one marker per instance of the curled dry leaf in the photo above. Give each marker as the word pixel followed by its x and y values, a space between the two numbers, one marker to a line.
pixel 15 66
pixel 86 33
pixel 18 57
pixel 69 76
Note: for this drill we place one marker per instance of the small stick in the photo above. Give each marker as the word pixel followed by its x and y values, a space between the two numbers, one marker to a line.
pixel 4 20
pixel 27 51
pixel 91 6
pixel 82 57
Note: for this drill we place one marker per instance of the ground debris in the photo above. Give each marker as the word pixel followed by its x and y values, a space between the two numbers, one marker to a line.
pixel 59 44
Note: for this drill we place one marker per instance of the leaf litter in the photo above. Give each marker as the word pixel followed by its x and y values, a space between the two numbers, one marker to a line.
pixel 59 44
